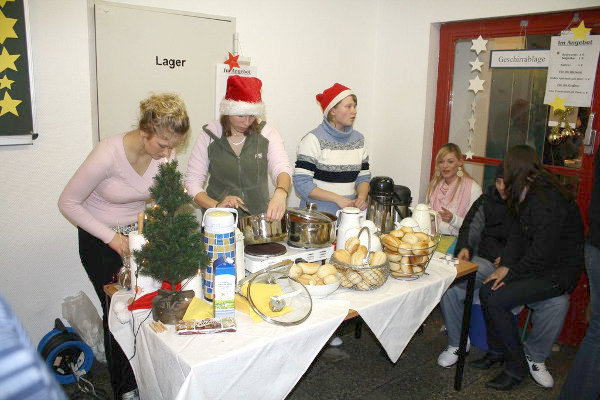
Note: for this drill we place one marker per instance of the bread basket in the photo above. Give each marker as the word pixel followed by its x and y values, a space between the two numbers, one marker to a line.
pixel 363 276
pixel 409 261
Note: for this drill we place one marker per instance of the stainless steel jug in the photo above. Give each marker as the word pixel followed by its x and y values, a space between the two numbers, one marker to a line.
pixel 387 203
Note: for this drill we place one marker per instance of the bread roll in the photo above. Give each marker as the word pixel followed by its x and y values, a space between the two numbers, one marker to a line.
pixel 352 244
pixel 394 257
pixel 394 266
pixel 295 271
pixel 363 249
pixel 307 280
pixel 357 258
pixel 377 258
pixel 363 285
pixel 407 269
pixel 309 268
pixel 342 256
pixel 397 233
pixel 329 279
pixel 345 282
pixel 410 238
pixel 390 241
pixel 422 236
pixel 406 229
pixel 370 276
pixel 326 269
pixel 417 269
pixel 420 248
pixel 430 243
pixel 354 277
pixel 405 249
pixel 400 274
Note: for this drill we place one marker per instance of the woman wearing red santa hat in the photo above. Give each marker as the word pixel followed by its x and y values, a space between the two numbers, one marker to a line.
pixel 332 166
pixel 239 151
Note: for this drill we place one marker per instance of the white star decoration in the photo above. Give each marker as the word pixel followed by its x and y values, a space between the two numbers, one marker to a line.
pixel 478 44
pixel 469 155
pixel 470 140
pixel 476 65
pixel 476 84
pixel 473 105
pixel 472 123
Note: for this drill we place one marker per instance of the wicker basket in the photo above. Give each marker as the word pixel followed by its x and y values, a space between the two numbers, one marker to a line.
pixel 413 262
pixel 361 277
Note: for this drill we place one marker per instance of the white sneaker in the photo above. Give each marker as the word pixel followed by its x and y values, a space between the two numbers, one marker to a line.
pixel 540 374
pixel 336 341
pixel 449 357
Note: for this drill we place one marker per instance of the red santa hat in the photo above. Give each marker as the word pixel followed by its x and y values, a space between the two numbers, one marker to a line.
pixel 333 95
pixel 242 97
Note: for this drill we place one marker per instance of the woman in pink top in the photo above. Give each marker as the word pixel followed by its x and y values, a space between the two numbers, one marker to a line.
pixel 106 194
pixel 239 152
pixel 452 191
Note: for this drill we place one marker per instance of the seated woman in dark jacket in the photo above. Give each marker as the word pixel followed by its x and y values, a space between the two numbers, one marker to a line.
pixel 550 230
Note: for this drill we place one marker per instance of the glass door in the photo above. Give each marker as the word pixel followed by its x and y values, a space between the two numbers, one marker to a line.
pixel 510 110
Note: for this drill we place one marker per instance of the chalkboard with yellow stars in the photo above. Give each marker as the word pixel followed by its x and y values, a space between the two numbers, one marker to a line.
pixel 15 95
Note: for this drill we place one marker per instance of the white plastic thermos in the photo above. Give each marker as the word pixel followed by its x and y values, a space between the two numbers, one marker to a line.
pixel 219 241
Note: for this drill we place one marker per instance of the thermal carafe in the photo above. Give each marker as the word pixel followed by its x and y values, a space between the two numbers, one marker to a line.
pixel 387 203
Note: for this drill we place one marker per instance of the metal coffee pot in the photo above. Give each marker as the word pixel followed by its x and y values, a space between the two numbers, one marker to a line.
pixel 387 203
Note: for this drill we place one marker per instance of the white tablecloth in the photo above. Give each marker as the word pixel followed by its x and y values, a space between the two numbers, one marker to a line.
pixel 228 365
pixel 266 361
pixel 395 311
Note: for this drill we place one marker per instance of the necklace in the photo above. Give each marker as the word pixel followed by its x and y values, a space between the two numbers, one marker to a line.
pixel 238 143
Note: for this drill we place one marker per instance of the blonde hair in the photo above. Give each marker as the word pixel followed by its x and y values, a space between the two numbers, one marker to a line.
pixel 163 112
pixel 437 176
pixel 330 117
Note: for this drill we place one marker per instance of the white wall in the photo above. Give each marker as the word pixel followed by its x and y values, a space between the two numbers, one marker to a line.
pixel 385 50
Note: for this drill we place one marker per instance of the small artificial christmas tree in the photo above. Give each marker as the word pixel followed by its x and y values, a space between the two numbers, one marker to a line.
pixel 174 249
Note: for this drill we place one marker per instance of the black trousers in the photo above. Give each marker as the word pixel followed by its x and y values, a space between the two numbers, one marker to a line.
pixel 502 330
pixel 102 264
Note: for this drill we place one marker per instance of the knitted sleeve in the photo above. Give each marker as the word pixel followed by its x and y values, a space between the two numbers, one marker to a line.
pixel 306 162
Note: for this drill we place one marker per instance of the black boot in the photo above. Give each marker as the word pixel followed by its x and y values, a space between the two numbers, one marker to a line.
pixel 503 382
pixel 487 361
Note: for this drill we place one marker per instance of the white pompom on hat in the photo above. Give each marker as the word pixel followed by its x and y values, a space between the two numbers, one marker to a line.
pixel 333 95
pixel 242 97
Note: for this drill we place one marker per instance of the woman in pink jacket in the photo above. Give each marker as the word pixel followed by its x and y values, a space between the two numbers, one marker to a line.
pixel 106 194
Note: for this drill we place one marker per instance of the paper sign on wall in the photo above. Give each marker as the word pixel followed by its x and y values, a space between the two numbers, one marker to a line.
pixel 572 70
pixel 222 73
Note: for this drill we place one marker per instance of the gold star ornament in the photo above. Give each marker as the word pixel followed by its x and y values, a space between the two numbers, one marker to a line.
pixel 6 83
pixel 9 105
pixel 580 32
pixel 7 27
pixel 8 60
pixel 558 103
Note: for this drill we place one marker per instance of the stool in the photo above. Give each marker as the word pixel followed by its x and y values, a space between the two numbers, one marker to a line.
pixel 477 330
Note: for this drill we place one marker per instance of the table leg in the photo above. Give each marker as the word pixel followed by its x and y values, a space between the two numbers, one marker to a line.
pixel 464 331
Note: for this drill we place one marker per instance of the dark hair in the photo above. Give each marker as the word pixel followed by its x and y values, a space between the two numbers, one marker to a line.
pixel 523 169
pixel 253 128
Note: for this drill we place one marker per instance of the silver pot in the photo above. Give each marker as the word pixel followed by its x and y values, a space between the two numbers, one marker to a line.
pixel 310 229
pixel 257 230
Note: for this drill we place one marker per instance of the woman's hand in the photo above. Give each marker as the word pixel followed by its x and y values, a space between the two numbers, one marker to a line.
pixel 498 276
pixel 360 203
pixel 497 261
pixel 446 215
pixel 276 207
pixel 464 255
pixel 120 244
pixel 230 202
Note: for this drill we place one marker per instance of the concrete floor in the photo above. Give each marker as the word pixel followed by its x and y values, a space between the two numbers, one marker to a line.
pixel 359 369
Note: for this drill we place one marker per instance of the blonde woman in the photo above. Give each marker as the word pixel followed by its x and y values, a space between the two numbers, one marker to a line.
pixel 452 191
pixel 105 195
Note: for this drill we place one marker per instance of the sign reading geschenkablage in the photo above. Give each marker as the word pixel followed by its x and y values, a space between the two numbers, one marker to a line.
pixel 15 96
pixel 572 70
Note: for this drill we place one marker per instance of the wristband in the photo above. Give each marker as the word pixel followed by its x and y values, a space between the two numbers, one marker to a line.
pixel 286 192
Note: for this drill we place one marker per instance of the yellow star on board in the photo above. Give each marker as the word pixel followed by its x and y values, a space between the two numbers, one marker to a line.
pixel 3 2
pixel 558 103
pixel 8 60
pixel 5 82
pixel 476 84
pixel 9 105
pixel 7 27
pixel 580 32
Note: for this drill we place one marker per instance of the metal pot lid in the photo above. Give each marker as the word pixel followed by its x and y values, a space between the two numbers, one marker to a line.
pixel 309 215
pixel 295 302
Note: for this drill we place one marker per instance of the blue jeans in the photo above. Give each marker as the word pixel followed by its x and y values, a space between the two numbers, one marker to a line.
pixel 582 381
pixel 547 320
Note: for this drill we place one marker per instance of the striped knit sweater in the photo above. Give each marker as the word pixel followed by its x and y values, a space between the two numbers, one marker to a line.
pixel 331 160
